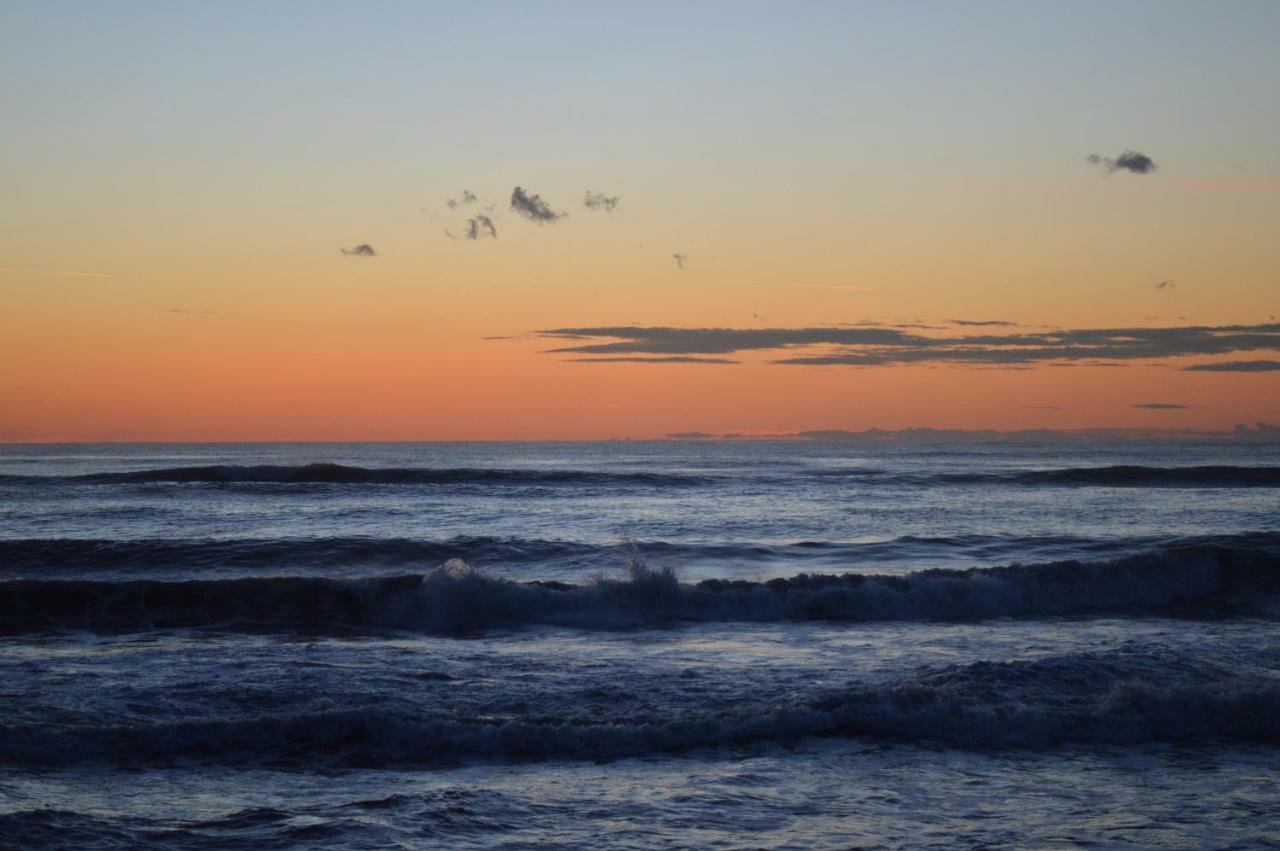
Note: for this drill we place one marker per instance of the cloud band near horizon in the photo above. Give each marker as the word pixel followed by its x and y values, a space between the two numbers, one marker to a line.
pixel 887 346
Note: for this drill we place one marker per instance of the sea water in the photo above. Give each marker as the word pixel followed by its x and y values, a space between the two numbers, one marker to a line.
pixel 702 644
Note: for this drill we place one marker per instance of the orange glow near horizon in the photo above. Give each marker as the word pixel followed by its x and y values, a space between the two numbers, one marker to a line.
pixel 170 253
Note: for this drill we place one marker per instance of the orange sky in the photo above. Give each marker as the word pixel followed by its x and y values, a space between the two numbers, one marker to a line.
pixel 202 186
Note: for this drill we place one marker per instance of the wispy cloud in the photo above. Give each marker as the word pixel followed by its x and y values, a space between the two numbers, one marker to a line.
pixel 364 249
pixel 980 323
pixel 600 201
pixel 1236 366
pixel 1161 406
pixel 533 207
pixel 665 359
pixel 881 346
pixel 1133 162
pixel 468 197
pixel 1166 285
pixel 480 227
pixel 60 274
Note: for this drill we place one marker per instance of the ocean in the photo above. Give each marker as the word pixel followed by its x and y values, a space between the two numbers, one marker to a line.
pixel 697 644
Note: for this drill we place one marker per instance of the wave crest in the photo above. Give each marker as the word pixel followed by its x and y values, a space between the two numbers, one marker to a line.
pixel 1191 581
pixel 1117 476
pixel 325 473
pixel 187 558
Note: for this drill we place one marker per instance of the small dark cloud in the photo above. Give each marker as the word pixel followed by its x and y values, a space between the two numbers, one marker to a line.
pixel 680 259
pixel 978 323
pixel 1161 406
pixel 1166 285
pixel 1236 366
pixel 671 359
pixel 1130 161
pixel 533 207
pixel 600 201
pixel 468 197
pixel 364 249
pixel 480 227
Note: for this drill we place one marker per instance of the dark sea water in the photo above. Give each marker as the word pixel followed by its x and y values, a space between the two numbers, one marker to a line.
pixel 722 644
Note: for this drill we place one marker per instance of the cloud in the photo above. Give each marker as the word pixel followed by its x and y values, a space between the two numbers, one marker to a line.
pixel 667 359
pixel 1130 161
pixel 680 259
pixel 533 207
pixel 480 227
pixel 1166 285
pixel 600 201
pixel 468 197
pixel 364 249
pixel 881 346
pixel 978 323
pixel 866 323
pixel 1236 366
pixel 1161 406
pixel 666 340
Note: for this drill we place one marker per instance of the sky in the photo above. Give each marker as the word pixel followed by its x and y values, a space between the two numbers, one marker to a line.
pixel 242 221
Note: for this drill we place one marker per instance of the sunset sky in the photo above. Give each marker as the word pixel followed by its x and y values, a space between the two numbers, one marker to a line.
pixel 185 187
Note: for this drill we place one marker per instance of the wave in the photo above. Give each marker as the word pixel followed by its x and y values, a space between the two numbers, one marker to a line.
pixel 1204 581
pixel 1119 476
pixel 1125 476
pixel 1120 697
pixel 47 555
pixel 343 474
pixel 43 557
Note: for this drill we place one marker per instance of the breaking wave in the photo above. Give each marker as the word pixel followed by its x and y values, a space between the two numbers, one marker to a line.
pixel 1119 697
pixel 46 557
pixel 1203 581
